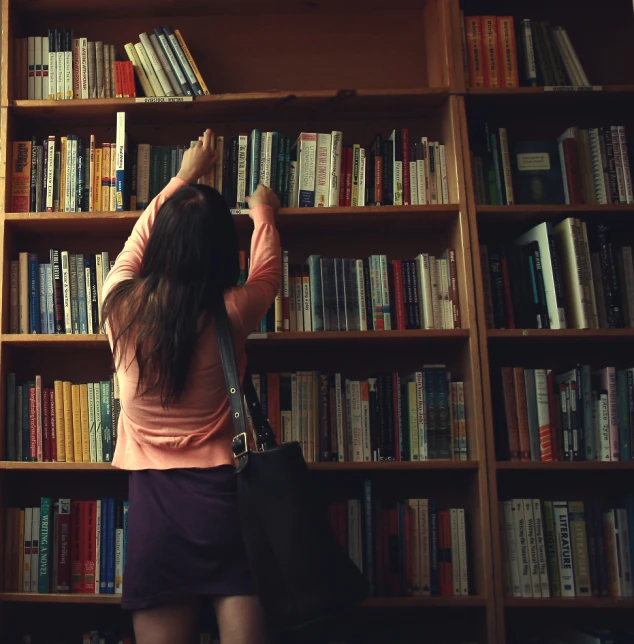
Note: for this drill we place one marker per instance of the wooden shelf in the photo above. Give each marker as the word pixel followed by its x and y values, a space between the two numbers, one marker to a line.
pixel 371 338
pixel 559 335
pixel 572 602
pixel 538 214
pixel 565 466
pixel 383 466
pixel 122 222
pixel 378 602
pixel 526 92
pixel 278 104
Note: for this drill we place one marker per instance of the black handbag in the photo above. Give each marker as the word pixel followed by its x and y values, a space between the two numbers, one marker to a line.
pixel 301 573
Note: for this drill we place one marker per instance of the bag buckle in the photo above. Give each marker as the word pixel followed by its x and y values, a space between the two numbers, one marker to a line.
pixel 240 445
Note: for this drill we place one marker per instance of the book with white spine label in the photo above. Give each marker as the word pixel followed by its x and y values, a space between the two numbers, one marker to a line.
pixel 413 183
pixel 83 68
pixel 323 178
pixel 512 548
pixel 243 142
pixel 50 174
pixel 362 165
pixel 60 63
pixel 306 153
pixel 68 65
pixel 166 65
pixel 177 69
pixel 139 71
pixel 120 156
pixel 443 175
pixel 52 65
pixel 45 68
pixel 564 548
pixel 521 544
pixel 336 147
pixel 146 65
pixel 363 321
pixel 421 182
pixel 76 69
pixel 424 291
pixel 530 64
pixel 533 559
pixel 156 66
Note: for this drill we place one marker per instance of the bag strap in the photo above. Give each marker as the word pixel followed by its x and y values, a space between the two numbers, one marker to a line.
pixel 264 433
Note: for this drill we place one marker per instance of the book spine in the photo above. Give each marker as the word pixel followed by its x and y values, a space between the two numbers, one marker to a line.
pixel 323 175
pixel 307 150
pixel 166 88
pixel 183 61
pixel 475 51
pixel 564 548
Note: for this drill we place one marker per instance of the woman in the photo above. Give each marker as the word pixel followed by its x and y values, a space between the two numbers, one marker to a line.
pixel 175 428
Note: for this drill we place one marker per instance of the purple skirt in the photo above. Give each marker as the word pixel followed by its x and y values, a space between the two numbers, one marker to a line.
pixel 184 537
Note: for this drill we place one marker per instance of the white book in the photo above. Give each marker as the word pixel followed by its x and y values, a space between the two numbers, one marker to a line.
pixel 52 69
pixel 357 423
pixel 427 165
pixel 533 559
pixel 435 294
pixel 421 183
pixel 397 172
pixel 306 303
pixel 625 556
pixel 323 178
pixel 572 54
pixel 37 56
pixel 146 65
pixel 413 183
pixel 45 68
pixel 363 320
pixel 60 56
pixel 445 302
pixel 512 543
pixel 88 279
pixel 266 153
pixel 243 141
pixel 31 64
pixel 99 277
pixel 175 65
pixel 98 547
pixel 425 555
pixel 71 164
pixel 91 422
pixel 598 178
pixel 334 189
pixel 625 165
pixel 139 70
pixel 156 66
pixel 68 68
pixel 118 558
pixel 166 65
pixel 68 325
pixel 455 553
pixel 35 549
pixel 365 422
pixel 50 174
pixel 28 534
pixel 424 292
pixel 563 540
pixel 339 415
pixel 521 543
pixel 306 154
pixel 462 549
pixel 443 175
pixel 611 546
pixel 362 165
pixel 105 265
pixel 120 155
pixel 83 68
pixel 98 426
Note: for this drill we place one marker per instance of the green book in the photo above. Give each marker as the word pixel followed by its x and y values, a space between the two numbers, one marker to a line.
pixel 551 549
pixel 106 421
pixel 43 583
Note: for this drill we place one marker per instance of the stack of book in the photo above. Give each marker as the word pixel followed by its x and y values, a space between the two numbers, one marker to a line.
pixel 576 415
pixel 571 275
pixel 583 166
pixel 60 296
pixel 65 423
pixel 66 547
pixel 407 548
pixel 62 67
pixel 567 548
pixel 546 54
pixel 418 417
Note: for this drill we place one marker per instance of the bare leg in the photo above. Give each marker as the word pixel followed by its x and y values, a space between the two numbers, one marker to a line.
pixel 240 620
pixel 172 624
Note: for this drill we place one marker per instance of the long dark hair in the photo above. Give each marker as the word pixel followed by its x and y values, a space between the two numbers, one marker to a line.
pixel 190 259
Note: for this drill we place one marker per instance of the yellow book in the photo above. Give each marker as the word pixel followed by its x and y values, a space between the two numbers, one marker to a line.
pixel 62 173
pixel 96 178
pixel 68 421
pixel 85 425
pixel 77 424
pixel 59 421
pixel 105 177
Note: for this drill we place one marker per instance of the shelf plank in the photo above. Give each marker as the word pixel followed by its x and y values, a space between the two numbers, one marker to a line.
pixel 540 91
pixel 122 222
pixel 234 106
pixel 559 335
pixel 565 466
pixel 382 466
pixel 572 602
pixel 346 338
pixel 538 214
pixel 378 602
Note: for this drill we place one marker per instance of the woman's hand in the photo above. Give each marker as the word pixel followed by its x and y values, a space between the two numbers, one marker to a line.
pixel 264 196
pixel 199 160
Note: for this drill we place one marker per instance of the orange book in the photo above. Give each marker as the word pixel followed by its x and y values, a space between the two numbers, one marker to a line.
pixel 473 28
pixel 519 381
pixel 21 176
pixel 274 411
pixel 508 52
pixel 491 51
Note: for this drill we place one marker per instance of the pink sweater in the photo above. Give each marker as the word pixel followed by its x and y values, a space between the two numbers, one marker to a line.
pixel 197 431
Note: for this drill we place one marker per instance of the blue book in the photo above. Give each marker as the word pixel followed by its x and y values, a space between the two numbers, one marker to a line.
pixel 126 509
pixel 255 155
pixel 110 548
pixel 106 421
pixel 42 295
pixel 81 294
pixel 192 79
pixel 176 66
pixel 316 301
pixel 34 294
pixel 103 583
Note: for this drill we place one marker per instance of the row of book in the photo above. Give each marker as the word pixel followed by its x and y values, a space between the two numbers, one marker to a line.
pixel 568 636
pixel 567 548
pixel 66 546
pixel 583 166
pixel 576 415
pixel 571 275
pixel 491 51
pixel 63 295
pixel 65 423
pixel 407 548
pixel 63 67
pixel 417 417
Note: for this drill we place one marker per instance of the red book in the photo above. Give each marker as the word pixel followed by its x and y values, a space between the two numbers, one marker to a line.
pixel 406 178
pixel 508 52
pixel 349 154
pixel 453 289
pixel 473 29
pixel 573 171
pixel 76 546
pixel 342 176
pixel 89 540
pixel 491 51
pixel 46 403
pixel 519 381
pixel 63 553
pixel 396 388
pixel 552 411
pixel 409 569
pixel 131 82
pixel 508 303
pixel 32 423
pixel 399 295
pixel 53 431
pixel 510 412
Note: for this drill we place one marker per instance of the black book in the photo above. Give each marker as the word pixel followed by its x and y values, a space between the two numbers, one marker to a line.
pixel 369 311
pixel 352 295
pixel 388 170
pixel 416 308
pixel 388 410
pixel 57 291
pixel 226 172
pixel 497 288
pixel 94 299
pixel 329 294
pixel 408 295
pixel 609 277
pixel 523 313
pixel 541 288
pixel 340 281
pixel 233 173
